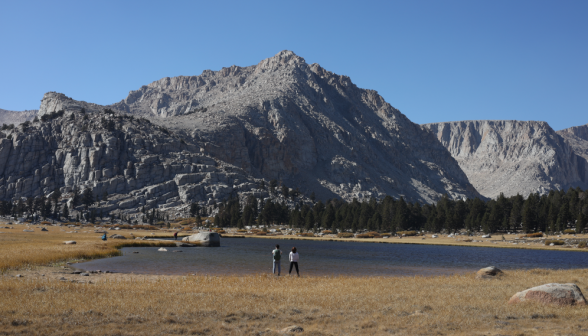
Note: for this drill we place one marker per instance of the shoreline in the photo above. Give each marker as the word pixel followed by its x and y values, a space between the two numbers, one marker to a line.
pixel 406 240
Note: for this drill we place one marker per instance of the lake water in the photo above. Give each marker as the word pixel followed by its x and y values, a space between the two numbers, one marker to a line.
pixel 253 255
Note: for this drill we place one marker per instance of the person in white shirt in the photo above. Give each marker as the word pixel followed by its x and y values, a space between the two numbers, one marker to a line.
pixel 294 260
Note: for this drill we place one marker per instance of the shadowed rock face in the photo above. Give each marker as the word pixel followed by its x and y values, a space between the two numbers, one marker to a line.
pixel 136 163
pixel 16 117
pixel 288 120
pixel 511 156
pixel 577 138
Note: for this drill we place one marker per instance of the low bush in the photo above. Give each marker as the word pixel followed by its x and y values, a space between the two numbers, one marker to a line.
pixel 533 235
pixel 241 231
pixel 305 234
pixel 345 235
pixel 582 244
pixel 327 232
pixel 554 242
pixel 385 234
pixel 260 233
pixel 407 233
pixel 570 231
pixel 45 222
pixel 364 235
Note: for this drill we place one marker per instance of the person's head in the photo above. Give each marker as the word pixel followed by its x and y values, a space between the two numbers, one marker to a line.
pixel 293 250
pixel 277 246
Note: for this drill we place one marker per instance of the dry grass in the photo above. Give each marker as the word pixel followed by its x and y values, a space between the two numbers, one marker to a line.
pixel 244 305
pixel 20 250
pixel 119 304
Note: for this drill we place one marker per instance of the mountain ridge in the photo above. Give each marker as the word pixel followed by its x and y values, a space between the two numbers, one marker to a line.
pixel 285 119
pixel 511 156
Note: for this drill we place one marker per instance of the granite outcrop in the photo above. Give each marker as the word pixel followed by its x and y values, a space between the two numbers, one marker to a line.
pixel 16 117
pixel 512 157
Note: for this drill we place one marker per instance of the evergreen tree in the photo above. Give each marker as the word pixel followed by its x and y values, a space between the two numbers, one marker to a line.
pixel 529 214
pixel 87 197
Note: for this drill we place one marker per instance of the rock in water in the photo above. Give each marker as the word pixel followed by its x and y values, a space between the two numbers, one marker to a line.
pixel 162 249
pixel 488 273
pixel 553 293
pixel 210 239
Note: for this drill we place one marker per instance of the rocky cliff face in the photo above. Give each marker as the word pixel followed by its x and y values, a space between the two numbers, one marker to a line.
pixel 577 138
pixel 309 127
pixel 136 163
pixel 16 117
pixel 512 156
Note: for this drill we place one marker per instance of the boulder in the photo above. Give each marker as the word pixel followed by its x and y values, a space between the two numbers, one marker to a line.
pixel 117 236
pixel 292 329
pixel 28 230
pixel 43 229
pixel 554 293
pixel 70 242
pixel 488 273
pixel 209 239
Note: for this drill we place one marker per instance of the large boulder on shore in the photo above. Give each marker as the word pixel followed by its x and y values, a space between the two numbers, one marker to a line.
pixel 204 239
pixel 488 273
pixel 554 293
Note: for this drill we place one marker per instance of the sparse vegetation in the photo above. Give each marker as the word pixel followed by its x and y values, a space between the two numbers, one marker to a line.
pixel 533 235
pixel 554 242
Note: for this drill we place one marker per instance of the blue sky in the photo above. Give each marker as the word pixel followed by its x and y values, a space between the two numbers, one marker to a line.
pixel 433 60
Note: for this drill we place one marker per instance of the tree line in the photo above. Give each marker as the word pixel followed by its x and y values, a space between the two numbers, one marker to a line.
pixel 552 212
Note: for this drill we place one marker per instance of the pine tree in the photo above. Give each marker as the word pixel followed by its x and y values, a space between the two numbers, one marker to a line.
pixel 87 197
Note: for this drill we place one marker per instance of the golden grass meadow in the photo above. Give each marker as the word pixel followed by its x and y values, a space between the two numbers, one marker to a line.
pixel 39 303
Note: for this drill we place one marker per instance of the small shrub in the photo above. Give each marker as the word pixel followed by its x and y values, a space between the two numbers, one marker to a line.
pixel 345 235
pixel 385 234
pixel 570 231
pixel 241 231
pixel 554 242
pixel 305 234
pixel 327 232
pixel 582 244
pixel 260 233
pixel 364 235
pixel 533 235
pixel 407 233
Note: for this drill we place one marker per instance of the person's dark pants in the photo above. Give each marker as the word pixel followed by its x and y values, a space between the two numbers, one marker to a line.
pixel 294 263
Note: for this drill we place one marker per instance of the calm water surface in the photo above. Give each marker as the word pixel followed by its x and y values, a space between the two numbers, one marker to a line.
pixel 253 255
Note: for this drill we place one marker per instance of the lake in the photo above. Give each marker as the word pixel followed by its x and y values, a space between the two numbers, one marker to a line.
pixel 318 258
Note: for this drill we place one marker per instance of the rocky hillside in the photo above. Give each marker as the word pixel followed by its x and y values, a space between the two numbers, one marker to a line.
pixel 512 156
pixel 127 162
pixel 296 122
pixel 16 117
pixel 577 138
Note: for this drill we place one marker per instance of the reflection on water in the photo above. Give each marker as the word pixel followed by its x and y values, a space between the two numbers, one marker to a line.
pixel 251 255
